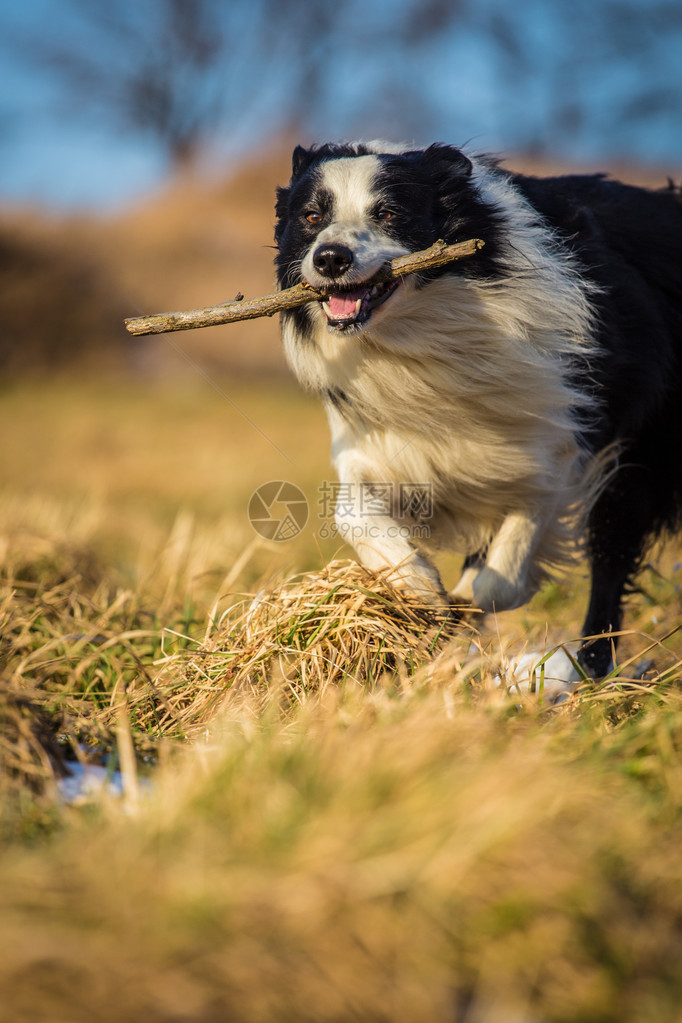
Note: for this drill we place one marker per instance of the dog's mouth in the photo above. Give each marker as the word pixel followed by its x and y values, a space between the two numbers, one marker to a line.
pixel 347 309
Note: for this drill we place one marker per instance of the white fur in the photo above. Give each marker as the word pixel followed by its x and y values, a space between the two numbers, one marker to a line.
pixel 461 385
pixel 350 181
pixel 552 676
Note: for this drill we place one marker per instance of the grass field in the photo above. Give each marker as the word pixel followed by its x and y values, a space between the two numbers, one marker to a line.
pixel 347 820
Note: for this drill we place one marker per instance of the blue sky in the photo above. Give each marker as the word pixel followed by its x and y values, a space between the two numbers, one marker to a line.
pixel 49 156
pixel 52 156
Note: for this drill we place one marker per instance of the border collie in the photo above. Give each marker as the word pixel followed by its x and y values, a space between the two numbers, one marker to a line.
pixel 535 387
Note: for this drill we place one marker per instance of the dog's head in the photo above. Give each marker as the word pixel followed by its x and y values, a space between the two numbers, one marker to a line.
pixel 349 209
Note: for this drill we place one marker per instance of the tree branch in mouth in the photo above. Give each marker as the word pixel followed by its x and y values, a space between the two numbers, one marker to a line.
pixel 438 254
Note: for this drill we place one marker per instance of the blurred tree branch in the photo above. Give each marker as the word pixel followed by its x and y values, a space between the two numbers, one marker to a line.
pixel 156 67
pixel 191 74
pixel 184 71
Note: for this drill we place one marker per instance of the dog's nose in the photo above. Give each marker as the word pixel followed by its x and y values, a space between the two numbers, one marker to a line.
pixel 332 260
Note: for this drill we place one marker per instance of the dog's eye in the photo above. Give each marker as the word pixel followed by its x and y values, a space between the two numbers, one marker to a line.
pixel 313 217
pixel 384 214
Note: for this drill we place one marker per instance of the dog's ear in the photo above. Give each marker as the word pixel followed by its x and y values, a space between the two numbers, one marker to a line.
pixel 301 160
pixel 447 160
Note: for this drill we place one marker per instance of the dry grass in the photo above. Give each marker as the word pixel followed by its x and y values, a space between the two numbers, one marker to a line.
pixel 348 819
pixel 337 627
pixel 394 853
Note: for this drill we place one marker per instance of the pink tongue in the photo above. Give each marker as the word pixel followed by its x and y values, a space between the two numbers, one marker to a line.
pixel 343 303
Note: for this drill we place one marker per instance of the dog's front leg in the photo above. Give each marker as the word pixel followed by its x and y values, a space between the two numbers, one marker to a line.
pixel 501 579
pixel 382 544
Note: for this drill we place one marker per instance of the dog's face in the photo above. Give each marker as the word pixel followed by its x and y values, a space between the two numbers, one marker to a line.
pixel 348 210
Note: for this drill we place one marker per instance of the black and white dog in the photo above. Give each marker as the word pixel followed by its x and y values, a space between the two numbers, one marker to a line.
pixel 535 387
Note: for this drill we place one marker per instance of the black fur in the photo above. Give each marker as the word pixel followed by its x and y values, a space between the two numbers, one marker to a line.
pixel 629 242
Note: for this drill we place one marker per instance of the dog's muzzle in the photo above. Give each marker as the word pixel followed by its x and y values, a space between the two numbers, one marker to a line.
pixel 352 305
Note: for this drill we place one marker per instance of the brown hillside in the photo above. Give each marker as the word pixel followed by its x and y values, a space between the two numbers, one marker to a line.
pixel 198 243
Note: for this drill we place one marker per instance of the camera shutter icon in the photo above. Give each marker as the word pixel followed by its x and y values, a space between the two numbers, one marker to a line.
pixel 278 510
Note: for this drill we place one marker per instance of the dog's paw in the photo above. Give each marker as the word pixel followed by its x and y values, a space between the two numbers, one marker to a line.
pixel 463 592
pixel 552 677
pixel 493 592
pixel 418 579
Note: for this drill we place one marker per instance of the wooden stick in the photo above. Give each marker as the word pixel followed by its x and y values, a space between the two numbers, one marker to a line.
pixel 439 254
